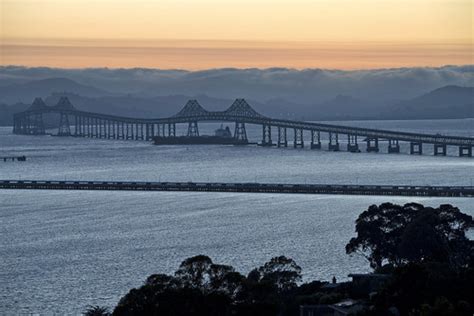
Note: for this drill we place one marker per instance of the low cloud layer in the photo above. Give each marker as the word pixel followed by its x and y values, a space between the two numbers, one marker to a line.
pixel 300 86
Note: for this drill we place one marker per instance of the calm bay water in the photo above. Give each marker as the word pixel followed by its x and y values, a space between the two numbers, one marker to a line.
pixel 61 251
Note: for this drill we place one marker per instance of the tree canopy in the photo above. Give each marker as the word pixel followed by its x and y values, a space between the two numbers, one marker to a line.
pixel 412 233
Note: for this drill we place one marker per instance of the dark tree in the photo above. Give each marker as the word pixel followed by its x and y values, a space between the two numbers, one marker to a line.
pixel 398 235
pixel 194 271
pixel 280 271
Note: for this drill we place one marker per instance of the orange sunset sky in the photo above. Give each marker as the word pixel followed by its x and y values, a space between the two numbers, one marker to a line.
pixel 200 34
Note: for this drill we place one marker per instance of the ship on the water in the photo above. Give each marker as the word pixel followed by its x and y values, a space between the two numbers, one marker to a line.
pixel 222 136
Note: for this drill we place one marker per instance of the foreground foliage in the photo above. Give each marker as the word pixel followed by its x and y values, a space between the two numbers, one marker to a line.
pixel 424 253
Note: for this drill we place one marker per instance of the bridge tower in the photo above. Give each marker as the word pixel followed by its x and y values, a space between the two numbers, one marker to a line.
pixel 298 140
pixel 240 134
pixel 64 127
pixel 193 130
pixel 315 139
pixel 333 142
pixel 352 145
pixel 282 140
pixel 267 135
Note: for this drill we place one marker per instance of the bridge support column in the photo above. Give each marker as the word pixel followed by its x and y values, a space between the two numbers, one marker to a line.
pixel 93 127
pixel 352 145
pixel 416 148
pixel 373 145
pixel 267 135
pixel 193 130
pixel 127 131
pixel 82 125
pixel 101 128
pixel 465 151
pixel 37 126
pixel 76 123
pixel 393 146
pixel 333 142
pixel 298 140
pixel 282 139
pixel 64 128
pixel 97 128
pixel 439 149
pixel 315 139
pixel 240 133
pixel 171 130
pixel 121 130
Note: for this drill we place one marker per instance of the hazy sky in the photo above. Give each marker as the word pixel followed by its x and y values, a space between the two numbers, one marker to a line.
pixel 197 34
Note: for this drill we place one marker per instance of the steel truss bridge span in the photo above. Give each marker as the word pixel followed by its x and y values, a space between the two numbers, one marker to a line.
pixel 74 122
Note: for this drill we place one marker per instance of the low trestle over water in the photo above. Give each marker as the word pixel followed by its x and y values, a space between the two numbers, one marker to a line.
pixel 394 190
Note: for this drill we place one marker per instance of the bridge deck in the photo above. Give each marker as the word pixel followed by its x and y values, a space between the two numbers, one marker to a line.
pixel 223 116
pixel 401 190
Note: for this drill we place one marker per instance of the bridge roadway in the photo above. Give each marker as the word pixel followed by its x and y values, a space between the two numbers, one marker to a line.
pixel 98 125
pixel 392 190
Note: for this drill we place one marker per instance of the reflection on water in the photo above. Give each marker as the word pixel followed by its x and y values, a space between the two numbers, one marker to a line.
pixel 64 250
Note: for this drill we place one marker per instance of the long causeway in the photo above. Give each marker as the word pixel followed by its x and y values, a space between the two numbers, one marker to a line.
pixel 284 188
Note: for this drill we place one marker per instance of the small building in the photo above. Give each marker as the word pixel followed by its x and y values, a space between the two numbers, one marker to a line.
pixel 367 284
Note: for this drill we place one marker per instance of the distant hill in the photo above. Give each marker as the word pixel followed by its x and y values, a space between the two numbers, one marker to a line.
pixel 442 103
pixel 26 92
pixel 445 102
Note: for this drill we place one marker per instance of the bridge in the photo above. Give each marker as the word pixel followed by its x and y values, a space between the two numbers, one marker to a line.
pixel 285 188
pixel 274 131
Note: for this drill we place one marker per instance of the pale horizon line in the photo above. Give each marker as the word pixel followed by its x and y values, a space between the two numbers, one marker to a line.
pixel 239 68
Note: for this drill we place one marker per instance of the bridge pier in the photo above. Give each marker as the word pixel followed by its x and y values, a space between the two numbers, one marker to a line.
pixel 393 146
pixel 298 139
pixel 240 134
pixel 465 151
pixel 373 145
pixel 90 127
pixel 38 125
pixel 282 139
pixel 333 142
pixel 98 126
pixel 121 130
pixel 171 130
pixel 416 148
pixel 315 139
pixel 193 130
pixel 162 130
pixel 147 131
pixel 267 135
pixel 352 145
pixel 64 128
pixel 439 150
pixel 93 127
pixel 102 131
